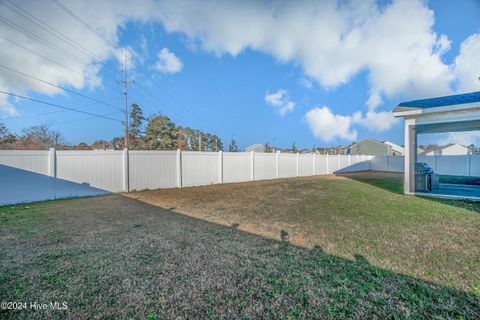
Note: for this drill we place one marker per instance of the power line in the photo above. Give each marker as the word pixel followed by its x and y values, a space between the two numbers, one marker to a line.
pixel 107 41
pixel 45 42
pixel 86 25
pixel 38 22
pixel 60 87
pixel 58 106
pixel 51 60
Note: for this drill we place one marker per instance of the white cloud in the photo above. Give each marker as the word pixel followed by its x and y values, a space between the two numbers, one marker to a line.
pixel 463 138
pixel 168 62
pixel 376 121
pixel 467 64
pixel 328 126
pixel 330 40
pixel 281 101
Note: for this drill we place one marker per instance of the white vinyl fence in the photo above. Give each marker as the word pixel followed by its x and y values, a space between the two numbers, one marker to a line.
pixel 459 165
pixel 27 176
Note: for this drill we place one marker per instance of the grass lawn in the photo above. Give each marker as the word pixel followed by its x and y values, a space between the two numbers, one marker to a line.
pixel 324 247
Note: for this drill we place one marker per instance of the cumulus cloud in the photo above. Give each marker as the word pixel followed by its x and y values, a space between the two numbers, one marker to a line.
pixel 467 64
pixel 281 101
pixel 168 62
pixel 330 40
pixel 328 126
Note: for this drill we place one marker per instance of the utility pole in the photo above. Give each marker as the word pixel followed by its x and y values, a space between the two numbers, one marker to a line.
pixel 199 141
pixel 125 82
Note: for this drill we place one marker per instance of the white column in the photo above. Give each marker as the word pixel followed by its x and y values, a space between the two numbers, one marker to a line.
pixel 314 163
pixel 338 161
pixel 277 164
pixel 126 177
pixel 179 168
pixel 349 160
pixel 410 156
pixel 252 165
pixel 298 169
pixel 220 166
pixel 52 162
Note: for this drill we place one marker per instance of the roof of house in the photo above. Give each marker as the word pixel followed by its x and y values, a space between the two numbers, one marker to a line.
pixel 438 148
pixel 471 97
pixel 394 146
pixel 258 147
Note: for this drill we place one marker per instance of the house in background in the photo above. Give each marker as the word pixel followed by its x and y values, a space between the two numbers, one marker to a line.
pixel 257 147
pixel 452 149
pixel 375 148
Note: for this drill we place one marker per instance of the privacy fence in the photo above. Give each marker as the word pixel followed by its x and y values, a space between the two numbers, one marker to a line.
pixel 27 176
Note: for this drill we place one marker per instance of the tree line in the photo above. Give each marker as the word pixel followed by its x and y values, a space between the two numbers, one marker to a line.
pixel 155 132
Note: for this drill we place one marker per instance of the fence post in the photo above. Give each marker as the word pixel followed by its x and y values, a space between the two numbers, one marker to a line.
pixel 326 158
pixel 220 166
pixel 126 177
pixel 252 164
pixel 277 164
pixel 314 163
pixel 52 162
pixel 179 168
pixel 469 164
pixel 298 169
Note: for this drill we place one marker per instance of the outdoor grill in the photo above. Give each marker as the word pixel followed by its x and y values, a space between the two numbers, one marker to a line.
pixel 423 177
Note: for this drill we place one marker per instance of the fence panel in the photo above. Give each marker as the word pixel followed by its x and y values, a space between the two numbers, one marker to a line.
pixel 24 177
pixel 82 173
pixel 152 169
pixel 287 165
pixel 237 166
pixel 265 167
pixel 452 165
pixel 475 165
pixel 321 166
pixel 305 164
pixel 199 168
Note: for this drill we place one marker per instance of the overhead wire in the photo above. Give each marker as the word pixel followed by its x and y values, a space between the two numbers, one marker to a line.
pixel 58 106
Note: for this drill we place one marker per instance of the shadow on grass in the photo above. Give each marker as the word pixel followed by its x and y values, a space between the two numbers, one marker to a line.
pixel 179 266
pixel 393 182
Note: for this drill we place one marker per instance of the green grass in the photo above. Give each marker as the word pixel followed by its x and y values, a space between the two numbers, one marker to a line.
pixel 379 254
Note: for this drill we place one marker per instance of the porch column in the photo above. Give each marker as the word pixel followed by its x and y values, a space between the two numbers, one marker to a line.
pixel 410 156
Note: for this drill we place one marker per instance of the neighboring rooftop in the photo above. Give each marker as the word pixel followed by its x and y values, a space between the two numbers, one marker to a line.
pixel 471 97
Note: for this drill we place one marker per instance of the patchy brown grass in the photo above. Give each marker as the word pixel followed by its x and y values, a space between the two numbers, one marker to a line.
pixel 321 247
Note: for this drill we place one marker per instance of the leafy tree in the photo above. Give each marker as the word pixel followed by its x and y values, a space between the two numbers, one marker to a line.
pixel 294 148
pixel 161 133
pixel 268 148
pixel 136 123
pixel 6 138
pixel 82 146
pixel 233 146
pixel 40 137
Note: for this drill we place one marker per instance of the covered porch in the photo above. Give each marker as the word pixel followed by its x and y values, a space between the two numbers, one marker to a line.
pixel 456 113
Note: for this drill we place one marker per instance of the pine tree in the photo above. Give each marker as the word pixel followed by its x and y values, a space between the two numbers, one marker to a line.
pixel 137 118
pixel 233 146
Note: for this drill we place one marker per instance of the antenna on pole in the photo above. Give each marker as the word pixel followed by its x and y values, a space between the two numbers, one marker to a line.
pixel 125 82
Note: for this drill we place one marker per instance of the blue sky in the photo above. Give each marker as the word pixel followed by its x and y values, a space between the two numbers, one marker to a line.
pixel 253 82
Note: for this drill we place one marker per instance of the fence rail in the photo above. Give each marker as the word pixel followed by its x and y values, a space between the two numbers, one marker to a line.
pixel 27 176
